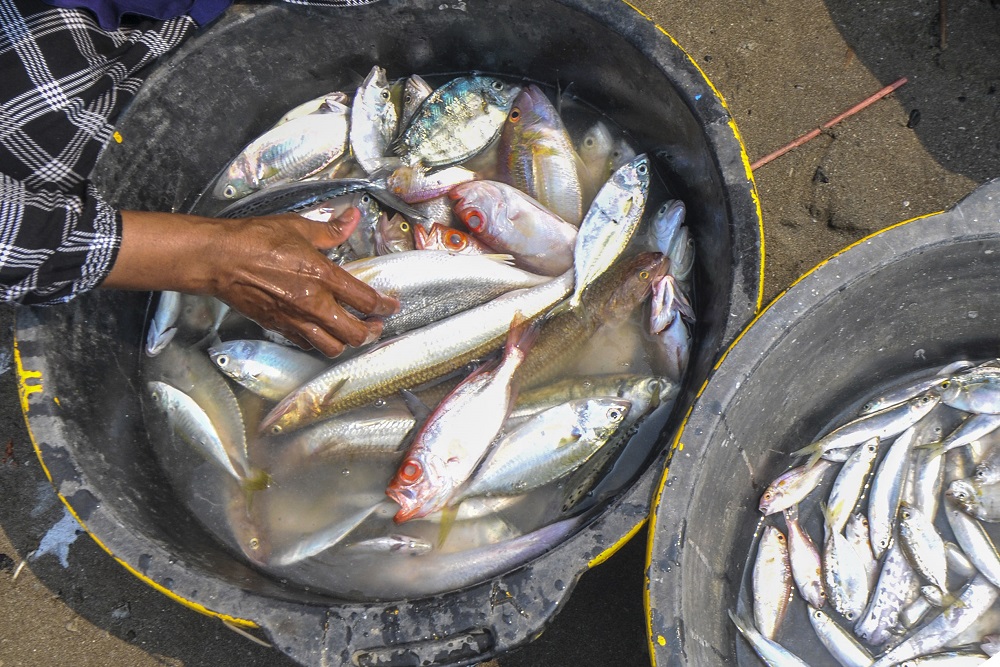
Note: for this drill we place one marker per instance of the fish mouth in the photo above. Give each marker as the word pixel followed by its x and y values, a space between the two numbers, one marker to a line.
pixel 408 507
pixel 420 237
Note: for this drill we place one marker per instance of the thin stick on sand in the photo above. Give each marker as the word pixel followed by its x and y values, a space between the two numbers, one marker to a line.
pixel 828 124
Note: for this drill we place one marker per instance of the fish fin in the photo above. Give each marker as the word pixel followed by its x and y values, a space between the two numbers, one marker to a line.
pixel 501 258
pixel 934 449
pixel 416 406
pixel 522 334
pixel 448 516
pixel 815 452
pixel 563 306
pixel 334 390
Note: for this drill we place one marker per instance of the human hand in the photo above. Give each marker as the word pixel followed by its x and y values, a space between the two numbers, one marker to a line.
pixel 270 269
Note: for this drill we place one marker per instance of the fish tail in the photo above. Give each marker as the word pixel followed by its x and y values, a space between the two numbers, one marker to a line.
pixel 257 480
pixel 815 452
pixel 934 449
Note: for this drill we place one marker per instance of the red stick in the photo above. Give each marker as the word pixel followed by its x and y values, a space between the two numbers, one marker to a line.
pixel 812 134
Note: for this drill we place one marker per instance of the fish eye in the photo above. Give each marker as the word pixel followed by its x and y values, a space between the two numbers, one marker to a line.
pixel 884 544
pixel 254 543
pixel 642 169
pixel 497 85
pixel 615 414
pixel 589 142
pixel 617 153
pixel 849 615
pixel 781 537
pixel 222 360
pixel 946 384
pixel 905 514
pixel 872 448
pixel 229 192
pixel 514 115
pixel 818 614
pixel 384 94
pixel 407 98
pixel 411 471
pixel 474 219
pixel 366 198
pixel 768 495
pixel 405 226
pixel 643 275
pixel 663 209
pixel 867 407
pixel 276 429
pixel 455 241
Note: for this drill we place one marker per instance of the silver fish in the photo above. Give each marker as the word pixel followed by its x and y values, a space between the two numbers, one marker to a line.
pixel 792 487
pixel 394 543
pixel 857 534
pixel 975 543
pixel 883 424
pixel 807 565
pixel 682 256
pixel 972 429
pixel 609 224
pixel 373 120
pixel 898 585
pixel 312 544
pixel 323 104
pixel 666 224
pixel 415 91
pixel 988 469
pixel 456 121
pixel 923 546
pixel 843 573
pixel 977 596
pixel 887 491
pixel 294 150
pixel 192 423
pixel 594 149
pixel 434 284
pixel 948 659
pixel 973 392
pixel 850 482
pixel 381 427
pixel 413 358
pixel 549 445
pixel 903 394
pixel 958 562
pixel 772 582
pixel 914 612
pixel 415 184
pixel 644 392
pixel 162 328
pixel 267 369
pixel 841 645
pixel 980 501
pixel 773 653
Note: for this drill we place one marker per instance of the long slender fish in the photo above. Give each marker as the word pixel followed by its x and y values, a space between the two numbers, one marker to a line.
pixel 923 546
pixel 887 491
pixel 841 645
pixel 883 424
pixel 850 482
pixel 844 574
pixel 412 358
pixel 807 564
pixel 773 653
pixel 975 542
pixel 772 582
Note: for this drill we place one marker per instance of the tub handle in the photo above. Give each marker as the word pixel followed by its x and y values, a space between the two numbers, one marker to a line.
pixel 463 647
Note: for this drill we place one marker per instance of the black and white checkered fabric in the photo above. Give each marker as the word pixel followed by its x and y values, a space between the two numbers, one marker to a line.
pixel 62 80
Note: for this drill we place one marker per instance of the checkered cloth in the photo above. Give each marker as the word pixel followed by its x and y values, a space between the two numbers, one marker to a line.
pixel 62 81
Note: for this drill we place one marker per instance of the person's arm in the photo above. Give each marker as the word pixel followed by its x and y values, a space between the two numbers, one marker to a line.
pixel 270 269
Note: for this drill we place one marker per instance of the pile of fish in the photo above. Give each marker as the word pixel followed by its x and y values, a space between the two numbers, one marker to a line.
pixel 905 571
pixel 501 394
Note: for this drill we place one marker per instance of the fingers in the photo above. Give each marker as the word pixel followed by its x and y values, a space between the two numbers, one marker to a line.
pixel 327 235
pixel 361 296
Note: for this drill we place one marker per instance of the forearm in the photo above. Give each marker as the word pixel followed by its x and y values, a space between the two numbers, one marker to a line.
pixel 168 251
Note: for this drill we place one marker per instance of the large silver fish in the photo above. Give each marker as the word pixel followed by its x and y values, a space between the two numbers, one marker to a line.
pixel 609 224
pixel 412 358
pixel 549 445
pixel 292 151
pixel 456 121
pixel 434 284
pixel 458 433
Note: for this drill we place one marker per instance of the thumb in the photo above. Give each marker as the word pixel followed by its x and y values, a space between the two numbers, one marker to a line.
pixel 330 234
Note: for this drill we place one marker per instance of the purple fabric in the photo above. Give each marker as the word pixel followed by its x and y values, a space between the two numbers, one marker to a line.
pixel 110 12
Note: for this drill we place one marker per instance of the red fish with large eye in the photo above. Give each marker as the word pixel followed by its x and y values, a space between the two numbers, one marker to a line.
pixel 510 221
pixel 457 434
pixel 450 239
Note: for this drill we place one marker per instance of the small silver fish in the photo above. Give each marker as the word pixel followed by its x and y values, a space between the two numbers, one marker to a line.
pixel 772 582
pixel 978 393
pixel 838 641
pixel 415 91
pixel 792 487
pixel 609 224
pixel 887 491
pixel 975 543
pixel 981 501
pixel 843 573
pixel 898 585
pixel 773 653
pixel 267 369
pixel 923 547
pixel 807 565
pixel 850 482
pixel 373 120
pixel 162 328
pixel 392 543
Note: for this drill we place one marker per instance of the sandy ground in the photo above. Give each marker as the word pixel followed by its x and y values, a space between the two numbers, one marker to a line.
pixel 785 67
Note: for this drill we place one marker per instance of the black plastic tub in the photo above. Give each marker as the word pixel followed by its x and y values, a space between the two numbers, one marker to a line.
pixel 901 302
pixel 78 364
